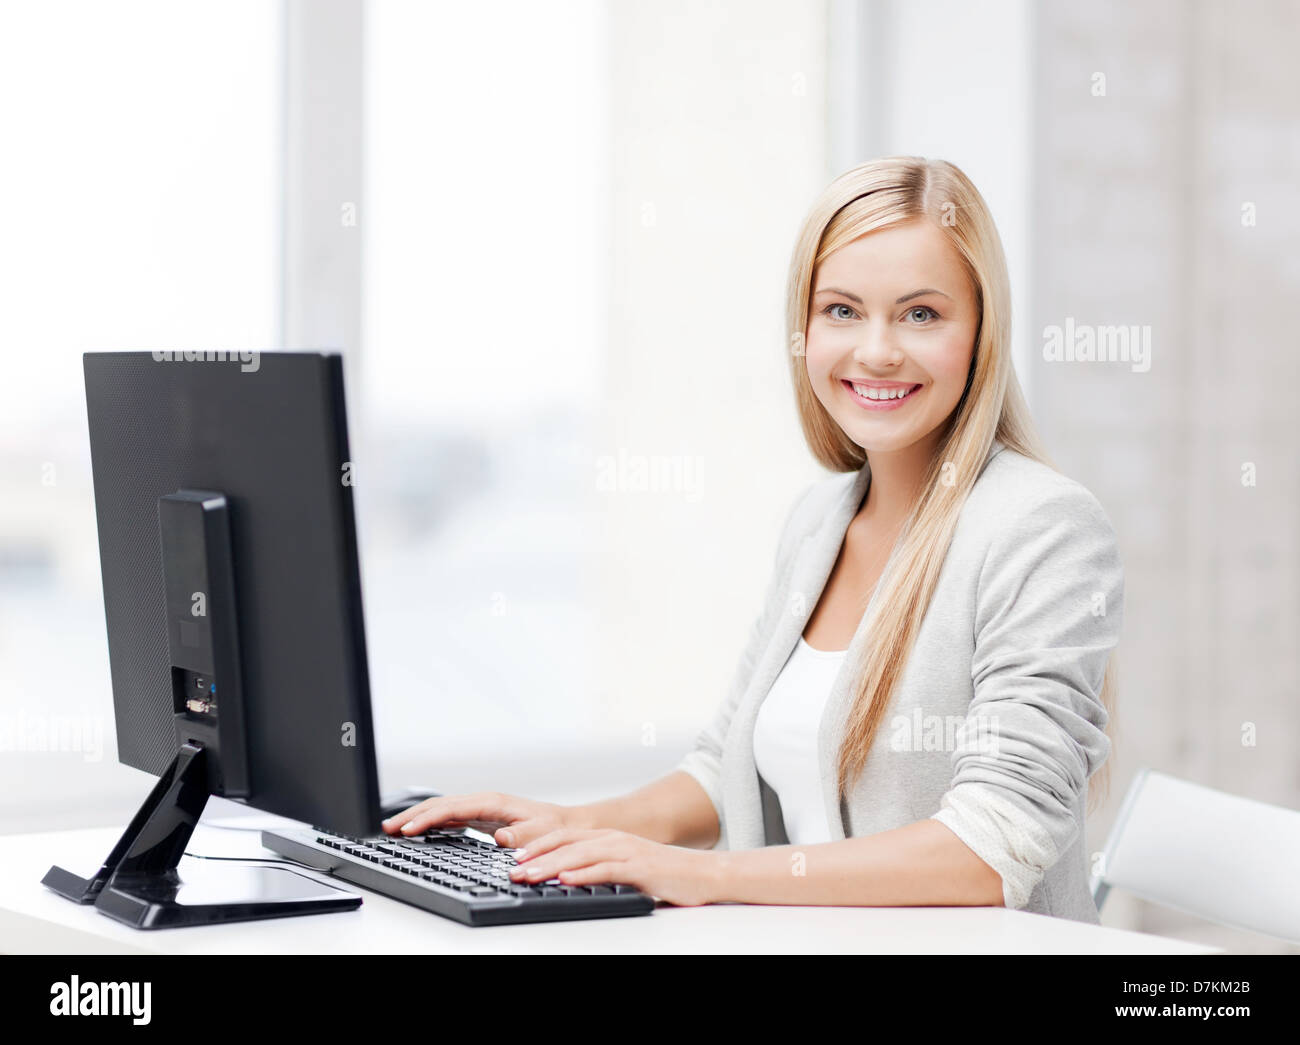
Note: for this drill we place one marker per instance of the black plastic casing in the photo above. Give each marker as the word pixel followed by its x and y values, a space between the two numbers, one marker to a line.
pixel 271 440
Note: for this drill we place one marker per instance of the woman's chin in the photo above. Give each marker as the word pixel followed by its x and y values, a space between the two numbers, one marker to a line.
pixel 881 438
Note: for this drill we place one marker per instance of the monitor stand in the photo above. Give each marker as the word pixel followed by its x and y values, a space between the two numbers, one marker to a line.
pixel 139 883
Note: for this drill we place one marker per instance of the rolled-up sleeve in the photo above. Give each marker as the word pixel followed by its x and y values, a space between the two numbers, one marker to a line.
pixel 1048 614
pixel 704 761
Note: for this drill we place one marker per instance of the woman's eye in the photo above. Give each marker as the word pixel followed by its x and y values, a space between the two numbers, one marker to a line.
pixel 925 312
pixel 830 310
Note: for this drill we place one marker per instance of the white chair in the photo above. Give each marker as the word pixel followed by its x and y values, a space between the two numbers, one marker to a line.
pixel 1217 856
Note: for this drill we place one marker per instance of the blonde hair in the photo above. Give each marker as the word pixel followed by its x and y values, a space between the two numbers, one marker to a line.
pixel 877 195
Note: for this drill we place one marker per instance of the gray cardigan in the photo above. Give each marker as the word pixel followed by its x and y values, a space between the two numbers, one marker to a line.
pixel 996 723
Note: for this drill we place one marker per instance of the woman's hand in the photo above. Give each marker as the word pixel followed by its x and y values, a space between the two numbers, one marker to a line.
pixel 512 821
pixel 583 856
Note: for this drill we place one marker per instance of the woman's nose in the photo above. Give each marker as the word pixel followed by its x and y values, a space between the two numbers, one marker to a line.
pixel 877 348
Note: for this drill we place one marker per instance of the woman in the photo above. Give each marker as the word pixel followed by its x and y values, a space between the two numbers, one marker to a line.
pixel 924 697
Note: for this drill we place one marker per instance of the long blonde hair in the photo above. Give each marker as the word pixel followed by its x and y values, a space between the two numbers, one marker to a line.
pixel 877 195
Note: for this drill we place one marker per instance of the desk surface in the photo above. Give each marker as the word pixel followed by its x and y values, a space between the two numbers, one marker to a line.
pixel 34 920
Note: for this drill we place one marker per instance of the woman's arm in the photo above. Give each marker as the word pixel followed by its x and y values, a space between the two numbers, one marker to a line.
pixel 1049 609
pixel 921 864
pixel 674 810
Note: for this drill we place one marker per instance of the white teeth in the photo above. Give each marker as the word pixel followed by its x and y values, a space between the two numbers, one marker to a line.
pixel 881 393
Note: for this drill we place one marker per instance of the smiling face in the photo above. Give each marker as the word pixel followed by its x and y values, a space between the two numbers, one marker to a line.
pixel 891 334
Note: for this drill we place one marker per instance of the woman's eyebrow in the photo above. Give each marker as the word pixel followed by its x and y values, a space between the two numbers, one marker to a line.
pixel 841 293
pixel 905 297
pixel 919 293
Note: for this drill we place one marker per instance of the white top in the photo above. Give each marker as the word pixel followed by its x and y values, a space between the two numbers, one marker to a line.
pixel 785 740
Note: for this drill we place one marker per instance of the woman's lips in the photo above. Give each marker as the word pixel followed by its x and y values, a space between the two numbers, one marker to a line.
pixel 881 404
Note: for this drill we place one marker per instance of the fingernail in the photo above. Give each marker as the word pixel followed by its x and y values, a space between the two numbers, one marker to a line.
pixel 509 839
pixel 521 854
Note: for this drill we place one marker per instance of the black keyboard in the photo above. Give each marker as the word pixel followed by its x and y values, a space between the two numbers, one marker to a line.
pixel 454 875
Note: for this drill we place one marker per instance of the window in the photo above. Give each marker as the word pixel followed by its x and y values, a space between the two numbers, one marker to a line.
pixel 483 317
pixel 139 188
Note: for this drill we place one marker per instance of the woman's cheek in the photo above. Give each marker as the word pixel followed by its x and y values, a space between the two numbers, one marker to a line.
pixel 821 355
pixel 955 361
pixel 946 362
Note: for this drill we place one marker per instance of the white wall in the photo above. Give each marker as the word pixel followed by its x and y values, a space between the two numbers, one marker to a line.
pixel 1139 221
pixel 718 115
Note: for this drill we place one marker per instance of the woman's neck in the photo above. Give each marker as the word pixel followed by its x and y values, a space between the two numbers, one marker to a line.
pixel 896 477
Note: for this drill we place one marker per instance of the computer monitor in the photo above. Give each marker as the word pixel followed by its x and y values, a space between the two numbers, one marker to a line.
pixel 232 593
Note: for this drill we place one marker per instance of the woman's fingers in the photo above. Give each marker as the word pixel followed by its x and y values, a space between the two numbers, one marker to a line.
pixel 486 826
pixel 566 850
pixel 596 874
pixel 548 839
pixel 487 808
pixel 522 833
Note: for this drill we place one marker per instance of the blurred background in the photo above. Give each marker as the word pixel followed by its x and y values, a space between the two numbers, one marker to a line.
pixel 551 240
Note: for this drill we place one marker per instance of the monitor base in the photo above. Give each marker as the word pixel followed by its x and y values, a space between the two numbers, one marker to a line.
pixel 139 883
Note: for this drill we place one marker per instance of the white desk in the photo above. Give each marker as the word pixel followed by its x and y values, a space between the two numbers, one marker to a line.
pixel 34 920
